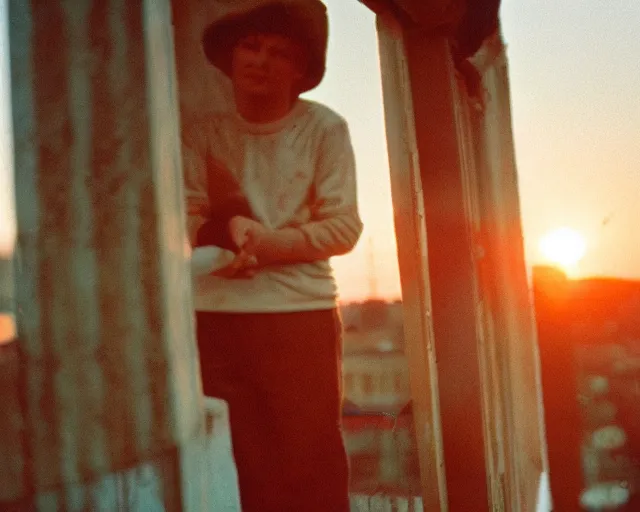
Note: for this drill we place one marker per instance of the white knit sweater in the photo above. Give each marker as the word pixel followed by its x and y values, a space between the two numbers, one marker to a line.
pixel 296 172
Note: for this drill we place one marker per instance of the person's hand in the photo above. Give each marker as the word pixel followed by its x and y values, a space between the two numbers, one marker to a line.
pixel 240 228
pixel 258 239
pixel 243 266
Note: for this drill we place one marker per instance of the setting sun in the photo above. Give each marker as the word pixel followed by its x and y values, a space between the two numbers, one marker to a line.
pixel 563 247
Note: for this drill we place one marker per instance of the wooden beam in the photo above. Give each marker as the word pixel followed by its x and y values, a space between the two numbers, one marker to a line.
pixel 453 282
pixel 432 14
pixel 429 14
pixel 408 210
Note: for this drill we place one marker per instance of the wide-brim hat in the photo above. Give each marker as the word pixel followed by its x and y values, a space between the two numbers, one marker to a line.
pixel 303 20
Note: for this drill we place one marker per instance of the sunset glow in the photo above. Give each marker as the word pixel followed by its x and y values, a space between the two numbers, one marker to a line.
pixel 563 247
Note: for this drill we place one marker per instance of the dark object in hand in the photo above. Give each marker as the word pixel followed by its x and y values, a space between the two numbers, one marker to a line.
pixel 227 201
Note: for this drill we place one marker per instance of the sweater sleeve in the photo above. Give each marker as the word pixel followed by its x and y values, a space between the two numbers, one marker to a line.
pixel 335 225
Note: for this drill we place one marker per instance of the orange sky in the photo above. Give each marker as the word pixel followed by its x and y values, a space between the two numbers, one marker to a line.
pixel 575 79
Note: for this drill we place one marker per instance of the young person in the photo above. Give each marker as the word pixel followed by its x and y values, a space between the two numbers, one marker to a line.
pixel 270 341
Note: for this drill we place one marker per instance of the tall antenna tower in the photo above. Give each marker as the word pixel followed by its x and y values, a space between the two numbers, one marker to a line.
pixel 373 277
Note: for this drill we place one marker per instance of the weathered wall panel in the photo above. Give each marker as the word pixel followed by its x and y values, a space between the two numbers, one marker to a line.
pixel 203 466
pixel 107 370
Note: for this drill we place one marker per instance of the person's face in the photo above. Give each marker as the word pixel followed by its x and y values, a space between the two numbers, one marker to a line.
pixel 267 65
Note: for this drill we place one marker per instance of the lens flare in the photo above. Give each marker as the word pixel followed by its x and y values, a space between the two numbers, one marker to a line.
pixel 563 247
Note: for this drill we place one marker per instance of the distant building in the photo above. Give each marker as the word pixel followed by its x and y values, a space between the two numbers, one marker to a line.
pixel 379 439
pixel 589 336
pixel 376 373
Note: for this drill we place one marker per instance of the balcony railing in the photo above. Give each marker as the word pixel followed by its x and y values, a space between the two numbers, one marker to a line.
pixel 362 503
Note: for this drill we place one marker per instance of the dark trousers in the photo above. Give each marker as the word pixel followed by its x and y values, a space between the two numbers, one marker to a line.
pixel 281 376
